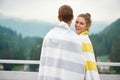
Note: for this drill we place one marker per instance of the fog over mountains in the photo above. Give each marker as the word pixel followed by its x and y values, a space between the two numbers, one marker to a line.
pixel 40 28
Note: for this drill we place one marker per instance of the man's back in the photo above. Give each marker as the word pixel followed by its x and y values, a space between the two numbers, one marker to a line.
pixel 61 56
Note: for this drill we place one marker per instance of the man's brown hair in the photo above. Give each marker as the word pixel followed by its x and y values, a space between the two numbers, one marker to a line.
pixel 65 13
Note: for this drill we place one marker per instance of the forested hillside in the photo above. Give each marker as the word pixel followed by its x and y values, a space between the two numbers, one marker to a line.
pixel 14 46
pixel 107 42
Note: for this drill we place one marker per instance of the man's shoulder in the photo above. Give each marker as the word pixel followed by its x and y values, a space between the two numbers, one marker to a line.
pixel 51 33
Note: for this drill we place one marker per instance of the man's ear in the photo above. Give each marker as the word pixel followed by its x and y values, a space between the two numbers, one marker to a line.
pixel 59 18
pixel 72 17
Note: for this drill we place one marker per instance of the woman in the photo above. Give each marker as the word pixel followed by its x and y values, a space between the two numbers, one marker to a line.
pixel 82 25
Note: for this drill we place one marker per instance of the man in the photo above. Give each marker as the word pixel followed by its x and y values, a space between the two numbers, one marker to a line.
pixel 61 56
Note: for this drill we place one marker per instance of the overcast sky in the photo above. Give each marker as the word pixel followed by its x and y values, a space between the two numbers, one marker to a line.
pixel 46 10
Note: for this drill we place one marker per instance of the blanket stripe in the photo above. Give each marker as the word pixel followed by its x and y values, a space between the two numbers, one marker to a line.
pixel 66 55
pixel 87 47
pixel 64 46
pixel 67 65
pixel 91 66
pixel 59 74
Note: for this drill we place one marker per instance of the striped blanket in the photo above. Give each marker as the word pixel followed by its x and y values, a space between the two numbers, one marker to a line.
pixel 61 56
pixel 91 68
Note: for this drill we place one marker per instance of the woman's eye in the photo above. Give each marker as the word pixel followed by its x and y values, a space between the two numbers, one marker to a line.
pixel 76 21
pixel 81 23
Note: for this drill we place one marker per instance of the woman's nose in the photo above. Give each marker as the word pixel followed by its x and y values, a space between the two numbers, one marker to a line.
pixel 78 24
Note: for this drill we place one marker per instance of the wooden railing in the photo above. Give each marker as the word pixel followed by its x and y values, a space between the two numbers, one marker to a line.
pixel 26 75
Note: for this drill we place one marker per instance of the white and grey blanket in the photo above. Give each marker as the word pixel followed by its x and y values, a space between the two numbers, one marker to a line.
pixel 62 57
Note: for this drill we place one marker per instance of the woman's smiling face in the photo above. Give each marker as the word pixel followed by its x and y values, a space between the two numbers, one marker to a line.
pixel 80 25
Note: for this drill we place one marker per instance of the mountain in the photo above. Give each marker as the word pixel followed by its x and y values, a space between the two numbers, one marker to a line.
pixel 113 28
pixel 107 42
pixel 97 27
pixel 27 28
pixel 40 28
pixel 14 46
